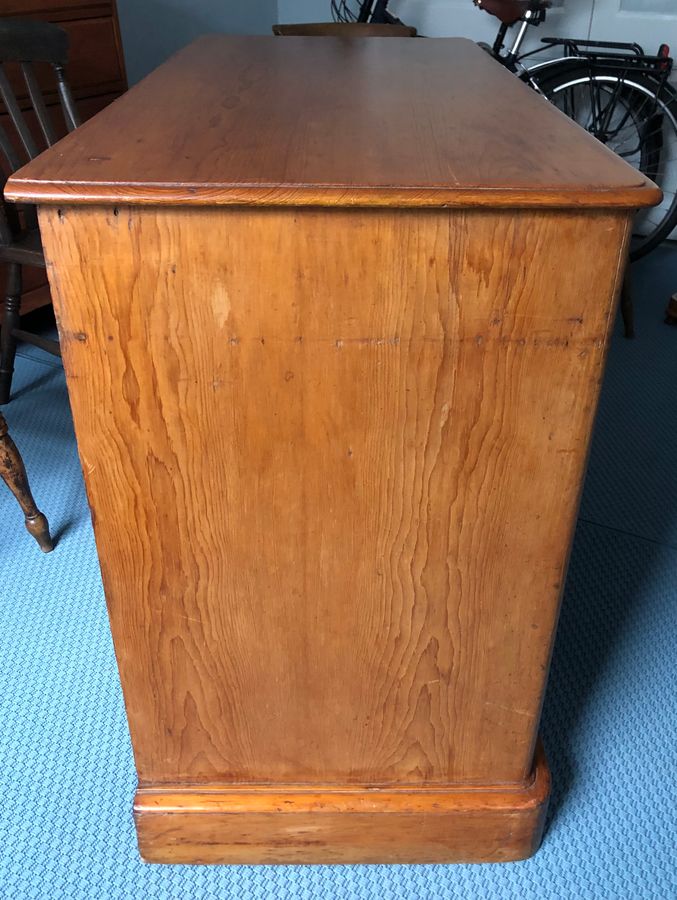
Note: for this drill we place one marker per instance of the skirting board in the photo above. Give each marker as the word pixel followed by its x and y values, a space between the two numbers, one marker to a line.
pixel 329 824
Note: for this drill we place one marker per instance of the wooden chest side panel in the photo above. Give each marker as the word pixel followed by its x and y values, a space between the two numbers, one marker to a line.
pixel 334 460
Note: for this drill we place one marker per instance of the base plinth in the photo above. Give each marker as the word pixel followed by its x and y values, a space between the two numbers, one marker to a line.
pixel 318 824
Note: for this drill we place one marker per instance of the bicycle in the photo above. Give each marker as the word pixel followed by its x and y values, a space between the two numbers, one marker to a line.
pixel 614 90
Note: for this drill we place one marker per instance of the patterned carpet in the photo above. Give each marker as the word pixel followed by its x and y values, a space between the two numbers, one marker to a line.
pixel 610 723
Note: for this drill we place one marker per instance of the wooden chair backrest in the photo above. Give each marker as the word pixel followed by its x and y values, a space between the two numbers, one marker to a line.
pixel 23 44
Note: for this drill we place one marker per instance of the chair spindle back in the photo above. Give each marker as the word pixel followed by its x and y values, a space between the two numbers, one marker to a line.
pixel 23 44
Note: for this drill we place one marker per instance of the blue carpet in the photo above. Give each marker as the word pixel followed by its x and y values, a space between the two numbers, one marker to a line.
pixel 610 722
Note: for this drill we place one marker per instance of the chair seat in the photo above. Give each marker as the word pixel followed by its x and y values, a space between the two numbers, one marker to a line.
pixel 26 249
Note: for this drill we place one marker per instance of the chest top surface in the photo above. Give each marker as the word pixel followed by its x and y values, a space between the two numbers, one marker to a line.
pixel 332 121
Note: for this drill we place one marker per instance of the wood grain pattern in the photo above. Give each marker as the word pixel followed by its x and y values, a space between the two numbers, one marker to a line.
pixel 334 455
pixel 334 459
pixel 263 121
pixel 342 825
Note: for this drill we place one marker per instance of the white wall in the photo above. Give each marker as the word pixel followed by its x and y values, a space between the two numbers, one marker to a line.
pixel 154 29
pixel 303 11
pixel 650 22
pixel 456 18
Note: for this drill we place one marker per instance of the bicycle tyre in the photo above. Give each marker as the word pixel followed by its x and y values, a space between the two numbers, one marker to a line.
pixel 636 92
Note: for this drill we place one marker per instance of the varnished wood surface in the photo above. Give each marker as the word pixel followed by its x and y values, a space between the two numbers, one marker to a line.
pixel 301 121
pixel 336 826
pixel 334 460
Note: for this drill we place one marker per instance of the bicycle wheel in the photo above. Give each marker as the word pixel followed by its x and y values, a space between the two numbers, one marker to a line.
pixel 623 111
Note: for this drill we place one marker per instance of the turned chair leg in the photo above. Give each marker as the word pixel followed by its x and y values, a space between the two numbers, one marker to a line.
pixel 14 475
pixel 10 322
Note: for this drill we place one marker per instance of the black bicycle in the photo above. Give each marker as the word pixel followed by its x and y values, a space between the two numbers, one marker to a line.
pixel 615 91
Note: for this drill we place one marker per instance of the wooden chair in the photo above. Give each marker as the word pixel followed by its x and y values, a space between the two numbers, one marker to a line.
pixel 22 45
pixel 14 475
pixel 343 29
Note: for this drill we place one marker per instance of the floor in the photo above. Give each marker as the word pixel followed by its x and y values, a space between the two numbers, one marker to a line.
pixel 610 722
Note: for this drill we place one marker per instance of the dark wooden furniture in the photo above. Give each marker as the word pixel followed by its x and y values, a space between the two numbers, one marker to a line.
pixel 333 399
pixel 26 44
pixel 343 29
pixel 13 473
pixel 96 75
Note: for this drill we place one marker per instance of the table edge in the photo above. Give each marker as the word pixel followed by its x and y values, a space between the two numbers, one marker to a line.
pixel 26 190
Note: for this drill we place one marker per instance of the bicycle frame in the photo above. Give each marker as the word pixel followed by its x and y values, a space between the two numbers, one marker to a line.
pixel 618 72
pixel 511 59
pixel 631 56
pixel 376 11
pixel 603 54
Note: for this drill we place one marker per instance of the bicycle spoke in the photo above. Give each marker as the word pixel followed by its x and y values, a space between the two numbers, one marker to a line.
pixel 612 107
pixel 638 124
